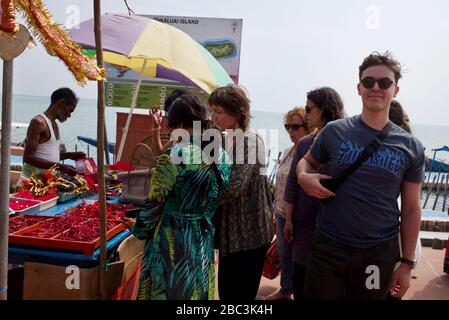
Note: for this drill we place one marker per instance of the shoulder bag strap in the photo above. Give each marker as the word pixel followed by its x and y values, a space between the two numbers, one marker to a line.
pixel 367 152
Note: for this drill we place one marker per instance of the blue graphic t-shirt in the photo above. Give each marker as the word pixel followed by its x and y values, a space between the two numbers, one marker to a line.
pixel 365 211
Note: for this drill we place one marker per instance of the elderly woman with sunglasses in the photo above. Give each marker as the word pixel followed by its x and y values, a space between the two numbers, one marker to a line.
pixel 296 126
pixel 323 105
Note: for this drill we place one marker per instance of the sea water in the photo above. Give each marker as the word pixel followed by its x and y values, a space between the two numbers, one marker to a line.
pixel 83 122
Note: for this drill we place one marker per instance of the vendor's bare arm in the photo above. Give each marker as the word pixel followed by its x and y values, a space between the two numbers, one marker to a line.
pixel 72 155
pixel 36 133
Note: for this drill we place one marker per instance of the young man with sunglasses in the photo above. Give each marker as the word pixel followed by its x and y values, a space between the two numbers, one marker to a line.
pixel 355 247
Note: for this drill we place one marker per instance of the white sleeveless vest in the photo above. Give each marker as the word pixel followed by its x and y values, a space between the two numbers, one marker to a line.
pixel 48 150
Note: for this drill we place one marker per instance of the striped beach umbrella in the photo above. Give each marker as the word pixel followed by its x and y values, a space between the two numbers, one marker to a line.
pixel 155 49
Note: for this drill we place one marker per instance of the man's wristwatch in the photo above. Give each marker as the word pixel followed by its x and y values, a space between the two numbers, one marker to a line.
pixel 410 263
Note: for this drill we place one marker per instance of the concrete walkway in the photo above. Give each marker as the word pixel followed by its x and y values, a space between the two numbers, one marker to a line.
pixel 431 283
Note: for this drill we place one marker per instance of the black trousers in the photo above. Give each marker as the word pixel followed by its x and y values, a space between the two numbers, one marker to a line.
pixel 239 274
pixel 298 280
pixel 337 272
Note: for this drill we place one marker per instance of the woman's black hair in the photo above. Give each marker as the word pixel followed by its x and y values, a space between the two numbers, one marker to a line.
pixel 398 116
pixel 172 97
pixel 329 101
pixel 186 109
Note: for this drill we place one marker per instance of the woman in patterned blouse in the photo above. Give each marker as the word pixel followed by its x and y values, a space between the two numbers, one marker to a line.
pixel 296 126
pixel 245 228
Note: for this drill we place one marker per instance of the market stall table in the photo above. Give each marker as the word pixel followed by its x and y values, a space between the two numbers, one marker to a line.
pixel 48 265
pixel 20 254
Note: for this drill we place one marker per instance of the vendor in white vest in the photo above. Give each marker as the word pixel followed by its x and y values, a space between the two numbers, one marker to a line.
pixel 43 141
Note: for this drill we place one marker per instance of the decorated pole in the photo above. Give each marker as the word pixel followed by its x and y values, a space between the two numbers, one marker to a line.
pixel 9 49
pixel 100 151
pixel 4 175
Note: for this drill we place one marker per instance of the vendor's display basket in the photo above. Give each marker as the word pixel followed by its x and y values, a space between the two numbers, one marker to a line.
pixel 23 237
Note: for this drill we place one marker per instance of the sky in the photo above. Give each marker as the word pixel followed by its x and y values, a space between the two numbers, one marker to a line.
pixel 290 47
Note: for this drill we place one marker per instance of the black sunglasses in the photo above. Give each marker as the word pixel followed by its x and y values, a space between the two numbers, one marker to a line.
pixel 309 108
pixel 293 126
pixel 383 83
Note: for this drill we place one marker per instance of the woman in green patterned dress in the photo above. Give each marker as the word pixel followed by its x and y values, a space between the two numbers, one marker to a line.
pixel 185 189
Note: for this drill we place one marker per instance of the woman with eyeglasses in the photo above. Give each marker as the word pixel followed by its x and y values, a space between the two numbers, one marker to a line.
pixel 297 128
pixel 323 105
pixel 245 230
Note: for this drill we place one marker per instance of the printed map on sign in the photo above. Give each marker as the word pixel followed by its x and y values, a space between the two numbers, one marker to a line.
pixel 221 37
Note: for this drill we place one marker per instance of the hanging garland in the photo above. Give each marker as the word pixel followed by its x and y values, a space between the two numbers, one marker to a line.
pixel 52 36
pixel 8 24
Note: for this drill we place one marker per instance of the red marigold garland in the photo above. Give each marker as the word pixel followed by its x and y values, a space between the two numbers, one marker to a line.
pixel 8 24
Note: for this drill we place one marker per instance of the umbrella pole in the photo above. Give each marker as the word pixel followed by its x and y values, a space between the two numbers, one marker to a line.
pixel 100 152
pixel 133 105
pixel 4 175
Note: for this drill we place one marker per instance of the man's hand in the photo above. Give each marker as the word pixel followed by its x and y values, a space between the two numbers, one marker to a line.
pixel 310 183
pixel 70 170
pixel 76 155
pixel 400 281
pixel 288 231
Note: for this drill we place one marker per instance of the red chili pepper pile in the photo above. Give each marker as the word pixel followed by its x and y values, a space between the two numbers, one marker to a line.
pixel 19 205
pixel 22 222
pixel 93 210
pixel 54 226
pixel 81 223
pixel 86 232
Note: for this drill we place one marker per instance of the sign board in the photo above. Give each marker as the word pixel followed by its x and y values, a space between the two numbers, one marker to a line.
pixel 119 94
pixel 221 37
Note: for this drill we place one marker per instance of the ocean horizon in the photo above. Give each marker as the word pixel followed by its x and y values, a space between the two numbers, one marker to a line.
pixel 83 122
